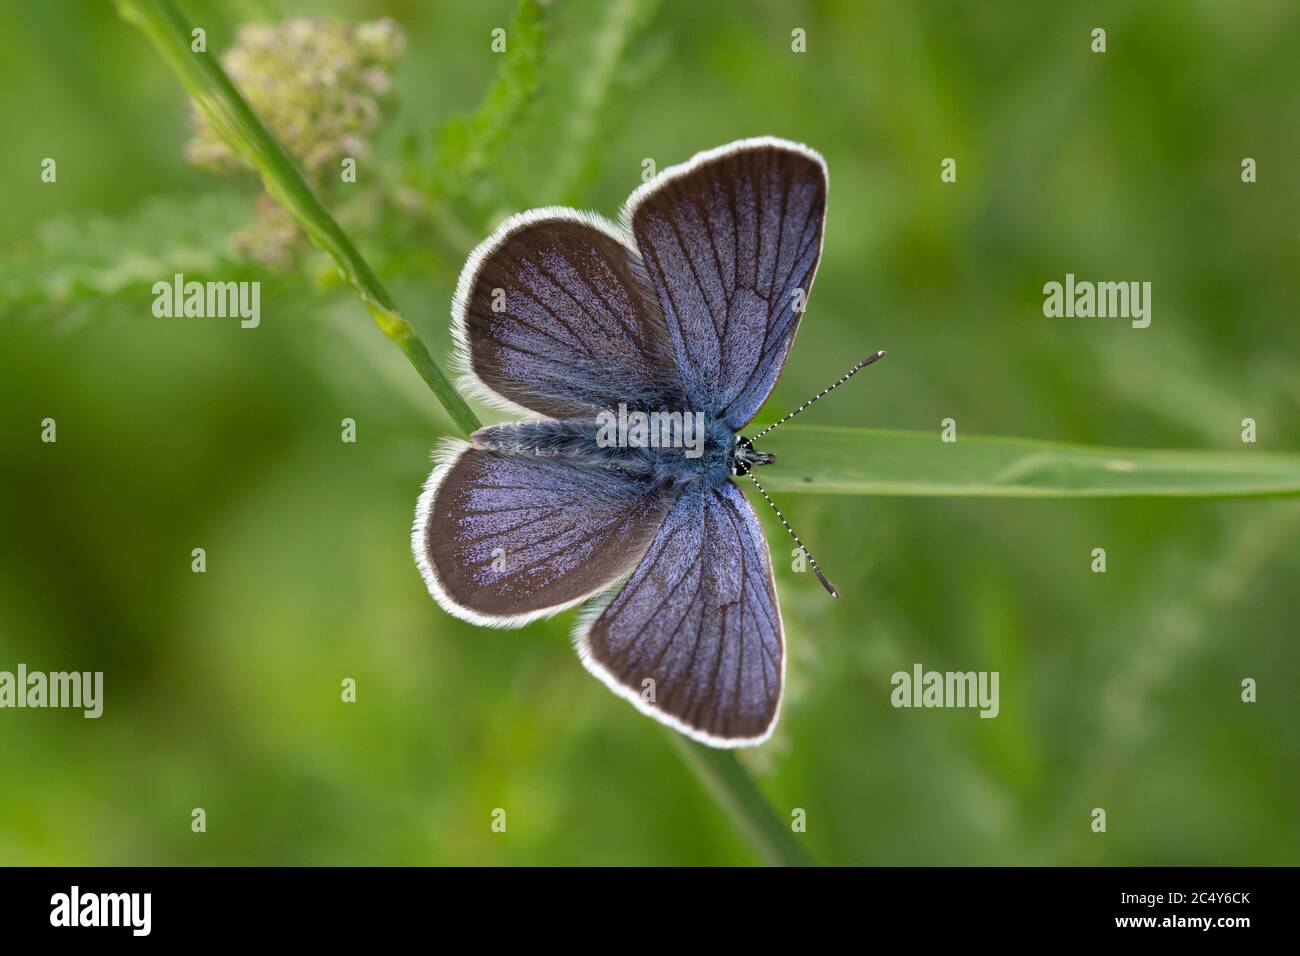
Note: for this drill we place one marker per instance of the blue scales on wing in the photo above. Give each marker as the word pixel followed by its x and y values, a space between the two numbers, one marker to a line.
pixel 731 241
pixel 694 637
pixel 693 308
pixel 502 539
pixel 555 315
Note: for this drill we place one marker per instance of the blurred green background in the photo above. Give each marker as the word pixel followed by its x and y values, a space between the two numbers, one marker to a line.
pixel 222 690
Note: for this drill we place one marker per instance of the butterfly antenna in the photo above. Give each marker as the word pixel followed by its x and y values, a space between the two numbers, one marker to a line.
pixel 830 588
pixel 824 392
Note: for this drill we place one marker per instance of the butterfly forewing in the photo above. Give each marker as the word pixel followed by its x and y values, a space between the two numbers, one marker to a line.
pixel 731 241
pixel 554 314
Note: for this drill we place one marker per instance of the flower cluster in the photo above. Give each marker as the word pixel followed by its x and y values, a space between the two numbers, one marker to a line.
pixel 322 88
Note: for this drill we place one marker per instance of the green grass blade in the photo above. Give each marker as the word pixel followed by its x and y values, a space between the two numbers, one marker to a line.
pixel 869 461
pixel 730 784
pixel 200 73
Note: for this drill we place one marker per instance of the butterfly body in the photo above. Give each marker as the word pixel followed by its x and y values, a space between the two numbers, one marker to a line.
pixel 667 466
pixel 683 314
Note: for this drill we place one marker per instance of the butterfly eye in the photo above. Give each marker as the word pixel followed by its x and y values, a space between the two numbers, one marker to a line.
pixel 744 457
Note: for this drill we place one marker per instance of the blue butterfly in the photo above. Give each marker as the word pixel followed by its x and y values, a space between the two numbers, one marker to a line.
pixel 682 316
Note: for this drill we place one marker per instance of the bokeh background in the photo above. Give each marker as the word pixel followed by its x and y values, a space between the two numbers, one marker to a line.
pixel 223 689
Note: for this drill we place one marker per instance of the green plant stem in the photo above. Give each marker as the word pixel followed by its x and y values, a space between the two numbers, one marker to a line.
pixel 819 459
pixel 731 785
pixel 228 111
pixel 162 22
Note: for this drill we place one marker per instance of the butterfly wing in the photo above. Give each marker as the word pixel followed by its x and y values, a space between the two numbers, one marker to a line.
pixel 731 241
pixel 554 314
pixel 504 539
pixel 699 618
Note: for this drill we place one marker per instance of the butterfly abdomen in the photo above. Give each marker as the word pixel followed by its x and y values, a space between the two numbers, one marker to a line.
pixel 565 437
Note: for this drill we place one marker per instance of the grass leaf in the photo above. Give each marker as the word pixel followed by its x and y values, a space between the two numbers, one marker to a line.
pixel 869 461
pixel 723 776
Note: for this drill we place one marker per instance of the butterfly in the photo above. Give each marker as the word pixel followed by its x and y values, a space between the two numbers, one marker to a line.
pixel 679 319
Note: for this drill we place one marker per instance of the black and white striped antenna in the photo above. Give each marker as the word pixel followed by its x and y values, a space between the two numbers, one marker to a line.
pixel 823 393
pixel 830 588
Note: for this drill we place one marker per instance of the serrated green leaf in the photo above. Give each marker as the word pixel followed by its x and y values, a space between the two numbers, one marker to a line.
pixel 602 62
pixel 79 257
pixel 869 461
pixel 466 146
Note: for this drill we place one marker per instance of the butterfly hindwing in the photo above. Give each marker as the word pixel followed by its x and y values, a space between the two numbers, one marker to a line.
pixel 694 637
pixel 731 241
pixel 503 539
pixel 554 314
